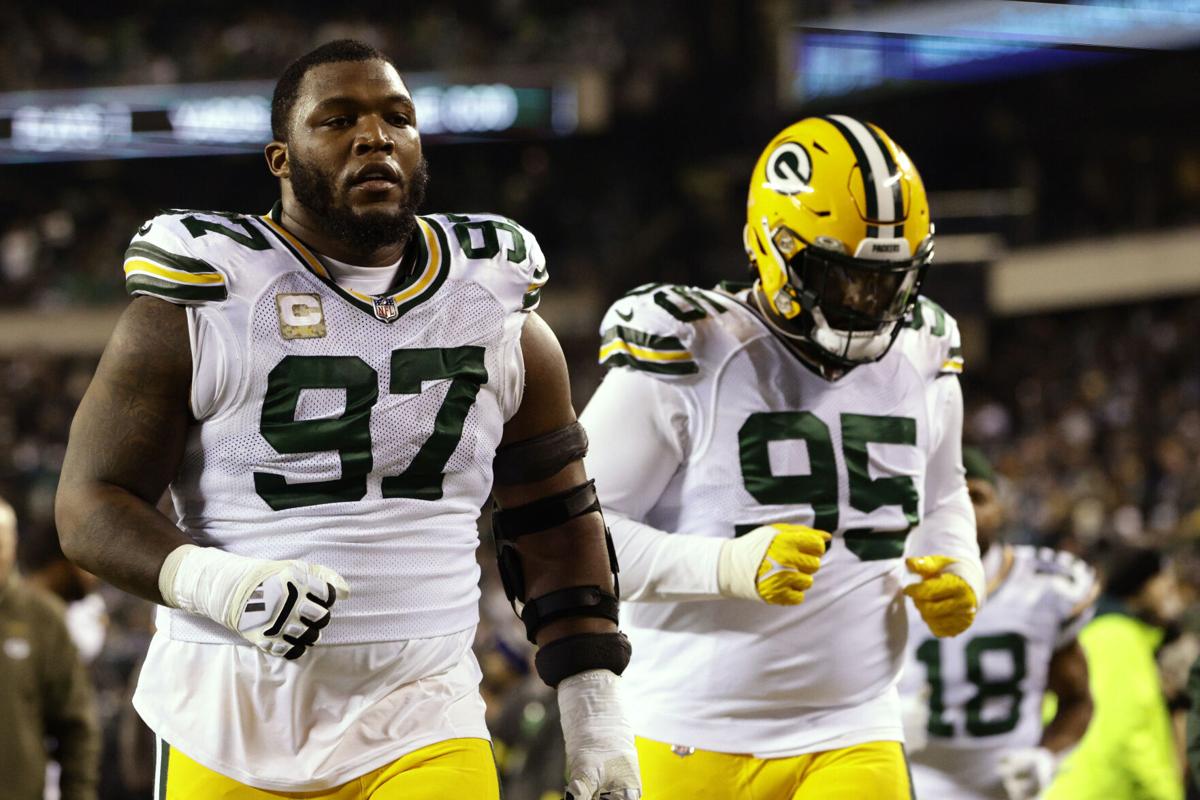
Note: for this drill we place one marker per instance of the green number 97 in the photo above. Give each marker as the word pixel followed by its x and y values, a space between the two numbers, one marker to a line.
pixel 350 434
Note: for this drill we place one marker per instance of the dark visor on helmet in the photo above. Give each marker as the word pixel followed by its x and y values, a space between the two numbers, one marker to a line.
pixel 857 294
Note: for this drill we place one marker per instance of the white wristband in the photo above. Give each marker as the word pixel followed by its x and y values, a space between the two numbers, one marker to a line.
pixel 166 575
pixel 737 568
pixel 210 582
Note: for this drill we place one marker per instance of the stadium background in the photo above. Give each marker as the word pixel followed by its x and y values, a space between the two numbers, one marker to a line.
pixel 1058 142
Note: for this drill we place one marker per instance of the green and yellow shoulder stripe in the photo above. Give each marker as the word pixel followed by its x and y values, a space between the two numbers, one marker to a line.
pixel 533 292
pixel 932 321
pixel 652 328
pixel 158 264
pixel 621 346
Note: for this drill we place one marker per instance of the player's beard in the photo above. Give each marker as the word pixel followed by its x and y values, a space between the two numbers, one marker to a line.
pixel 364 232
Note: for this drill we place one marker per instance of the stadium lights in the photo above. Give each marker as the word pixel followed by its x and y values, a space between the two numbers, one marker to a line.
pixel 235 117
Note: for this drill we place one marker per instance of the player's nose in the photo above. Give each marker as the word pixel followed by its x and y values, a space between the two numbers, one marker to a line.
pixel 373 135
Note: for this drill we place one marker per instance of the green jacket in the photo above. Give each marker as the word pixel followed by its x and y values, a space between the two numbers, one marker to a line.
pixel 45 693
pixel 1128 752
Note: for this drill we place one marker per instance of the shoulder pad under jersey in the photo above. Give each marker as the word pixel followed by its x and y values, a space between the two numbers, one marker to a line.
pixel 183 256
pixel 653 328
pixel 496 252
pixel 932 340
pixel 1069 587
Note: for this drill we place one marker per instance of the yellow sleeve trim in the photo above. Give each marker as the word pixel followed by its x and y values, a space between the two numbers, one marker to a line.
pixel 641 353
pixel 135 266
pixel 952 365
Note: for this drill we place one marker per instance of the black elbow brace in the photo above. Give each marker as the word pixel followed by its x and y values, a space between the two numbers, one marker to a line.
pixel 540 457
pixel 572 655
pixel 573 601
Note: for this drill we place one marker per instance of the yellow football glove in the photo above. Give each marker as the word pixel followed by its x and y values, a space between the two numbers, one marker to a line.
pixel 947 602
pixel 772 564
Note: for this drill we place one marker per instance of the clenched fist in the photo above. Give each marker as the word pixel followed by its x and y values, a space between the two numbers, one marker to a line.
pixel 772 564
pixel 946 601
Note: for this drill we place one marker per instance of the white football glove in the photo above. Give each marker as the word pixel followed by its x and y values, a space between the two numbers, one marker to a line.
pixel 602 761
pixel 278 606
pixel 1027 772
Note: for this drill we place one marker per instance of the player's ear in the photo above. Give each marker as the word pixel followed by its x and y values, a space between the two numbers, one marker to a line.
pixel 277 159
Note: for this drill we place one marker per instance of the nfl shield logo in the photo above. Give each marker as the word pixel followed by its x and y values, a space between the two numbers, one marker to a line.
pixel 385 309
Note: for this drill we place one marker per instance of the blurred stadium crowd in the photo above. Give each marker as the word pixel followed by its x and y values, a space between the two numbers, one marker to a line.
pixel 1091 416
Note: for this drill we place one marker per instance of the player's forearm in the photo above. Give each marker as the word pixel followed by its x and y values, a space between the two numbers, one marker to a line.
pixel 572 554
pixel 657 566
pixel 1068 679
pixel 949 530
pixel 948 523
pixel 1069 724
pixel 113 534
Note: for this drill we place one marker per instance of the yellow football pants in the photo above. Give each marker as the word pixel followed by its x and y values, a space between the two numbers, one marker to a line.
pixel 871 771
pixel 454 768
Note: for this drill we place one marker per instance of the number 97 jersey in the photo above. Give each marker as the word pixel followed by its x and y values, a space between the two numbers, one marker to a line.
pixel 348 430
pixel 981 693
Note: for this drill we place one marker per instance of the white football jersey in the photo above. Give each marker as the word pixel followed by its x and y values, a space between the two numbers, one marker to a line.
pixel 761 438
pixel 984 688
pixel 348 430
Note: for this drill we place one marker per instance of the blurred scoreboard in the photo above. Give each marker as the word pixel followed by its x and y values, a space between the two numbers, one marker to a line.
pixel 892 46
pixel 235 117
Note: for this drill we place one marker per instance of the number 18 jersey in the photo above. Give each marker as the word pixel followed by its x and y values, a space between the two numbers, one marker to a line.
pixel 984 688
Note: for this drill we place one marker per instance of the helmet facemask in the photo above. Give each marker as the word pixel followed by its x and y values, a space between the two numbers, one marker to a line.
pixel 852 307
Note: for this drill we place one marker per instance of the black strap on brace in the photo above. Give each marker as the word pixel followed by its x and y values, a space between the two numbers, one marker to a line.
pixel 510 524
pixel 572 655
pixel 573 601
pixel 540 457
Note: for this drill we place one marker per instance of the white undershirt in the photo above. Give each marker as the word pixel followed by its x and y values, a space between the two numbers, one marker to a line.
pixel 368 280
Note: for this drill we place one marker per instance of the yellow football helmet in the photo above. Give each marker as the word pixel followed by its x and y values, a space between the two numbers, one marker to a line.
pixel 837 226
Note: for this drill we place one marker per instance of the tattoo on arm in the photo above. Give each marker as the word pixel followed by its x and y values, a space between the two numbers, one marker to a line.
pixel 126 445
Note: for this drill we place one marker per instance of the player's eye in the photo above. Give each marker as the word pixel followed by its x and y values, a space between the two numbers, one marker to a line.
pixel 340 121
pixel 400 120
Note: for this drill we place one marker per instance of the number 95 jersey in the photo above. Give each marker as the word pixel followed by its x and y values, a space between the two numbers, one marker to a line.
pixel 709 426
pixel 347 430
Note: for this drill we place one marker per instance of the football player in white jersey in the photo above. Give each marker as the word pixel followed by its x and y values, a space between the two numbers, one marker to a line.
pixel 329 391
pixel 976 699
pixel 746 437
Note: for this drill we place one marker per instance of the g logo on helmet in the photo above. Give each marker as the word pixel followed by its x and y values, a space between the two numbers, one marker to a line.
pixel 789 169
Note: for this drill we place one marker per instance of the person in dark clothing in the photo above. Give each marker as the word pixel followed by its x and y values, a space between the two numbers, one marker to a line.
pixel 45 694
